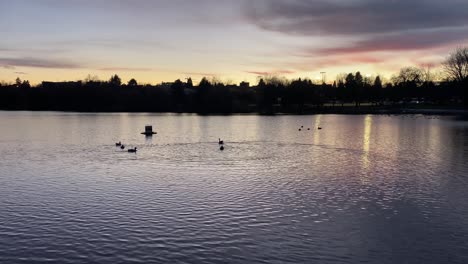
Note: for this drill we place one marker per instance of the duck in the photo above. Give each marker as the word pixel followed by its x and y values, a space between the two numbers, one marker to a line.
pixel 133 150
pixel 122 146
pixel 308 128
pixel 300 129
pixel 221 148
pixel 220 142
pixel 319 128
pixel 118 144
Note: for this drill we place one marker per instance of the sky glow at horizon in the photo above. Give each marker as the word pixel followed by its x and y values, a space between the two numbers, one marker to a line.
pixel 156 41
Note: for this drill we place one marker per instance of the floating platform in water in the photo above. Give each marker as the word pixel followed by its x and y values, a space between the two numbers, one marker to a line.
pixel 148 131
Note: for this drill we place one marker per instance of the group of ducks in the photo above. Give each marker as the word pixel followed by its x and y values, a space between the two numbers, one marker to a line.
pixel 221 144
pixel 134 150
pixel 302 127
pixel 122 146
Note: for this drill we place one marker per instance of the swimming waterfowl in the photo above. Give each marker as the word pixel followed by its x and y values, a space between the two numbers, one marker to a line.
pixel 122 146
pixel 118 144
pixel 134 150
pixel 221 142
pixel 221 148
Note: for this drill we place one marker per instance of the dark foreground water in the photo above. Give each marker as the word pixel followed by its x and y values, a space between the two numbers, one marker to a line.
pixel 364 189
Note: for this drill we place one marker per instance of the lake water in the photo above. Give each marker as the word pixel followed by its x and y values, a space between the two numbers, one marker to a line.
pixel 364 189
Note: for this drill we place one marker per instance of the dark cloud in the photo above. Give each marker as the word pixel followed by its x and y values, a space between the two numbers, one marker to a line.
pixel 37 63
pixel 400 42
pixel 366 25
pixel 312 17
pixel 373 25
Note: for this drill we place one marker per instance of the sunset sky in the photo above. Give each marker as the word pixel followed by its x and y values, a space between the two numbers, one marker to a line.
pixel 155 41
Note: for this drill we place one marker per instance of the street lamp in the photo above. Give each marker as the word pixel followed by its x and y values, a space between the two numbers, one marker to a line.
pixel 324 76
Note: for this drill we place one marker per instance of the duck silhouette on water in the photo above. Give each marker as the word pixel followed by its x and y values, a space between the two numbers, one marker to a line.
pixel 220 142
pixel 122 146
pixel 118 144
pixel 133 150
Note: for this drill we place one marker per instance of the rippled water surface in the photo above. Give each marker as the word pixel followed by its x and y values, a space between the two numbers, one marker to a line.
pixel 364 189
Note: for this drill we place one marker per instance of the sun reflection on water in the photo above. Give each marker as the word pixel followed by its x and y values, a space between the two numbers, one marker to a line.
pixel 316 126
pixel 366 140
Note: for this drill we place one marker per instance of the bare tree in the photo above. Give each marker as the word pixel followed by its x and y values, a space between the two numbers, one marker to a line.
pixel 91 78
pixel 456 64
pixel 409 75
pixel 341 77
pixel 427 75
pixel 275 80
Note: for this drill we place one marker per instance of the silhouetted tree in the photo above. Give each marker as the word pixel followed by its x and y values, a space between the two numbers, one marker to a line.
pixel 456 65
pixel 115 80
pixel 358 79
pixel 189 83
pixel 377 83
pixel 203 96
pixel 132 82
pixel 341 90
pixel 409 76
pixel 269 91
pixel 271 95
pixel 25 84
pixel 91 78
pixel 359 87
pixel 261 83
pixel 376 89
pixel 178 93
pixel 350 85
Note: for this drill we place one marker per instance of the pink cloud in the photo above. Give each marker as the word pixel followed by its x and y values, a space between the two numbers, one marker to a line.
pixel 270 72
pixel 200 74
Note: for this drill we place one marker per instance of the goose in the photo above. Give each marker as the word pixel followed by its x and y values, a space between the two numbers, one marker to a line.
pixel 221 148
pixel 134 150
pixel 221 142
pixel 122 146
pixel 118 144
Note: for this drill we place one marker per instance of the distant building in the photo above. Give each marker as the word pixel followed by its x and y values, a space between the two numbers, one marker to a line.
pixel 61 85
pixel 166 85
pixel 244 84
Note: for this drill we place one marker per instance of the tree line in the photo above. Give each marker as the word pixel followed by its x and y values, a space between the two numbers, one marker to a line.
pixel 350 92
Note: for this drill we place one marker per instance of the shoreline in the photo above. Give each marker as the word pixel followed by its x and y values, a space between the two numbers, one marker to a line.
pixel 321 111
